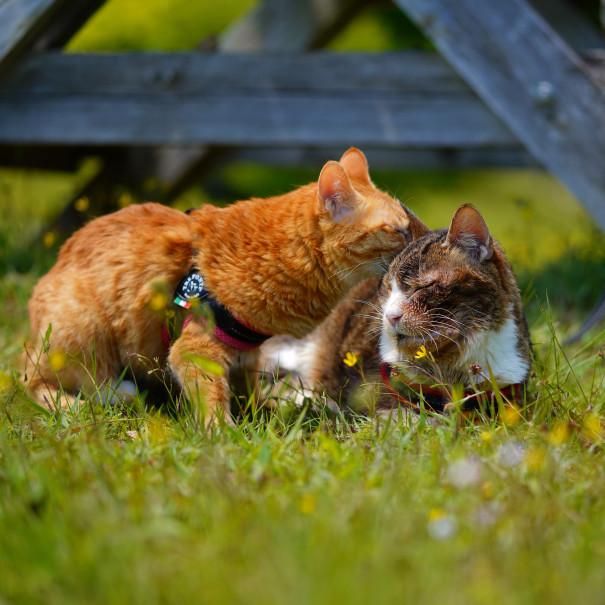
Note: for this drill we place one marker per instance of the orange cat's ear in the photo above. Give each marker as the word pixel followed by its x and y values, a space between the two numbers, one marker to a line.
pixel 334 190
pixel 356 165
pixel 469 232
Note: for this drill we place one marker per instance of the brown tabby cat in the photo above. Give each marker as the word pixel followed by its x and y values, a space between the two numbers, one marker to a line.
pixel 447 311
pixel 263 266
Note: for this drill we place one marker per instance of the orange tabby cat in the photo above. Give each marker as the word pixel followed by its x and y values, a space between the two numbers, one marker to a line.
pixel 265 266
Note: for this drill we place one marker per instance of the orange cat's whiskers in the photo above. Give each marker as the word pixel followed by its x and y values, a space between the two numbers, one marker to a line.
pixel 366 263
pixel 383 264
pixel 360 264
pixel 352 271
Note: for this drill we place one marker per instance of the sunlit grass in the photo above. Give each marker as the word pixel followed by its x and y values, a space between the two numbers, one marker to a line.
pixel 129 504
pixel 132 504
pixel 130 25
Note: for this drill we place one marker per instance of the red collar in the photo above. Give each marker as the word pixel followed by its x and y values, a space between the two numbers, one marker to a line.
pixel 435 399
pixel 227 328
pixel 232 331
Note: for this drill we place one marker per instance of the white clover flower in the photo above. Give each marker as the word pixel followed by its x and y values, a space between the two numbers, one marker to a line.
pixel 464 472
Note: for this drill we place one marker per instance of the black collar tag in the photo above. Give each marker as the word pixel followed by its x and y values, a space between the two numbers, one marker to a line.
pixel 190 289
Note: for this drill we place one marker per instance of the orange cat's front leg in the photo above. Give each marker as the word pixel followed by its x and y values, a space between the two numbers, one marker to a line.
pixel 188 361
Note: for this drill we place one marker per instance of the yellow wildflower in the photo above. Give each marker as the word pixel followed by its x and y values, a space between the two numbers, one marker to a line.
pixel 57 359
pixel 350 359
pixel 436 513
pixel 5 382
pixel 510 415
pixel 82 204
pixel 560 433
pixel 487 436
pixel 125 200
pixel 158 301
pixel 421 352
pixel 591 428
pixel 49 239
pixel 535 459
pixel 487 489
pixel 308 504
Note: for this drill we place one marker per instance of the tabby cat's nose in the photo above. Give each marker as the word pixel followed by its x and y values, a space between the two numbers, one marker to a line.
pixel 393 317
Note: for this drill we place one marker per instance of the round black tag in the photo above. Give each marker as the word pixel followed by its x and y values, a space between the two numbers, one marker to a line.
pixel 191 287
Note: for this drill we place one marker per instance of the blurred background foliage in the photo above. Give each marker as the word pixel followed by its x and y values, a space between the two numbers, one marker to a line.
pixel 555 247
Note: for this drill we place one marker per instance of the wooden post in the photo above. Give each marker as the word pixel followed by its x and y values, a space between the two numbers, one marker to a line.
pixel 531 79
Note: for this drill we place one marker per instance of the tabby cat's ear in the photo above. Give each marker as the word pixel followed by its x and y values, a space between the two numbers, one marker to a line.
pixel 356 165
pixel 469 232
pixel 335 191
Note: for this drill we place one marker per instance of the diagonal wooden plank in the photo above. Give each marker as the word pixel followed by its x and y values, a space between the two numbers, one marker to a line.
pixel 531 79
pixel 290 26
pixel 570 23
pixel 21 22
pixel 66 23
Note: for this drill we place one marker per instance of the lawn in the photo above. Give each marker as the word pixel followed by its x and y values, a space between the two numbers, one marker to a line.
pixel 135 505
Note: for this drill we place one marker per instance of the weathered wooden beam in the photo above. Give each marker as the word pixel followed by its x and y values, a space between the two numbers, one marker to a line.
pixel 531 79
pixel 392 100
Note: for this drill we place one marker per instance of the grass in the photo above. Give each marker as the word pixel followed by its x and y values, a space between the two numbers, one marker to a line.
pixel 305 510
pixel 131 505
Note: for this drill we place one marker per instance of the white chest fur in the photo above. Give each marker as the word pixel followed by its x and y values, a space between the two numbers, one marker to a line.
pixel 498 350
